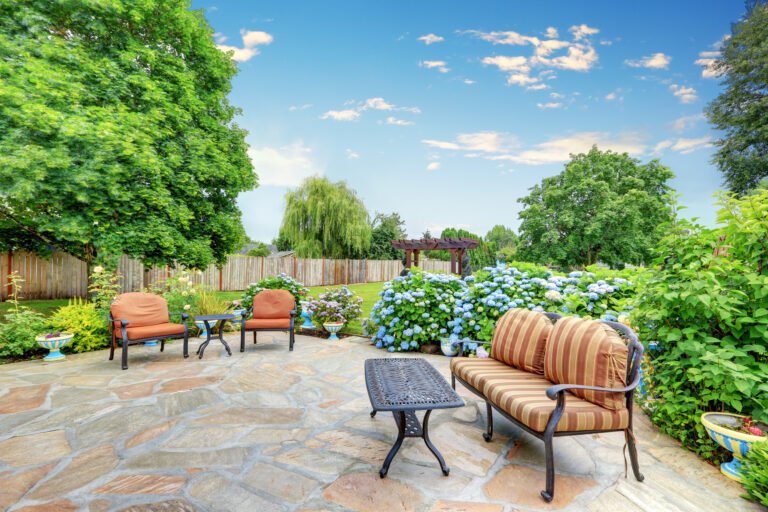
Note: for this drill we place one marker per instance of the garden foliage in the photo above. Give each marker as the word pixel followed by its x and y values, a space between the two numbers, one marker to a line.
pixel 707 308
pixel 335 305
pixel 755 473
pixel 421 308
pixel 278 282
pixel 86 322
pixel 21 326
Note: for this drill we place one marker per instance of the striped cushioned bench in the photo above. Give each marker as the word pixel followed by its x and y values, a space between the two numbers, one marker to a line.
pixel 565 379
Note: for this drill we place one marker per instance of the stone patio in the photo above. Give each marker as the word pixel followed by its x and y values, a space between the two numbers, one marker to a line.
pixel 272 430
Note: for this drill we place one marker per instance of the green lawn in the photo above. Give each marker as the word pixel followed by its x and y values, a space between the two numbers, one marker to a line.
pixel 46 307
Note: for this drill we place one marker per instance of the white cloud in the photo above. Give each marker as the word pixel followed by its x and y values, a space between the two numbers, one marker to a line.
pixel 341 115
pixel 285 166
pixel 508 37
pixel 431 39
pixel 469 82
pixel 439 144
pixel 219 38
pixel 681 123
pixel 707 61
pixel 398 122
pixel 435 64
pixel 655 61
pixel 605 43
pixel 512 64
pixel 351 155
pixel 582 32
pixel 552 33
pixel 482 142
pixel 556 95
pixel 433 166
pixel 682 145
pixel 579 58
pixel 251 39
pixel 685 94
pixel 537 87
pixel 550 105
pixel 377 104
pixel 294 108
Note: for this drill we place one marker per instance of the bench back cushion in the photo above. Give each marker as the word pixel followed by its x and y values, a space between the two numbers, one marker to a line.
pixel 588 353
pixel 273 304
pixel 140 309
pixel 519 339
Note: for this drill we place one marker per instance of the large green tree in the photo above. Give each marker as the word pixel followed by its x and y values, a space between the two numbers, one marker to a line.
pixel 503 241
pixel 741 110
pixel 481 256
pixel 386 228
pixel 116 135
pixel 604 206
pixel 325 219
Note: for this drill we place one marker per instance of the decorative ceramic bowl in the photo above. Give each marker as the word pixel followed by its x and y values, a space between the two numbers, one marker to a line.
pixel 54 345
pixel 203 331
pixel 235 322
pixel 450 348
pixel 738 443
pixel 307 322
pixel 333 328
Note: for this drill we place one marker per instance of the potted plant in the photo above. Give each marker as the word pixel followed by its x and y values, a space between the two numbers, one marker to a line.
pixel 735 433
pixel 54 341
pixel 334 308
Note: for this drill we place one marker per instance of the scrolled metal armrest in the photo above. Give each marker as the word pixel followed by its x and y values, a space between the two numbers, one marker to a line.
pixel 184 317
pixel 554 391
pixel 293 312
pixel 124 323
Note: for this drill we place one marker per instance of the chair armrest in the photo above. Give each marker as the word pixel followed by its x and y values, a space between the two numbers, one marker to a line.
pixel 293 312
pixel 124 323
pixel 554 391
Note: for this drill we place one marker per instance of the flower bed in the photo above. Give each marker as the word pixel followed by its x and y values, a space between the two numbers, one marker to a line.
pixel 422 307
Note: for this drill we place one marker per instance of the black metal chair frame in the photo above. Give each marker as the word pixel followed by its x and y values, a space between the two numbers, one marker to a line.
pixel 291 329
pixel 125 341
pixel 557 392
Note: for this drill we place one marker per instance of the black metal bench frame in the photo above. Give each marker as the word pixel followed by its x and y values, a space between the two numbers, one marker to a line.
pixel 125 341
pixel 291 331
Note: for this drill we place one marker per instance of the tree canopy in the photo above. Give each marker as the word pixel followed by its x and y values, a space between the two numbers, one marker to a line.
pixel 386 228
pixel 260 250
pixel 741 110
pixel 503 241
pixel 325 219
pixel 480 257
pixel 603 207
pixel 116 135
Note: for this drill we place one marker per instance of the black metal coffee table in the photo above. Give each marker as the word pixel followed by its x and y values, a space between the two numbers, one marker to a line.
pixel 221 320
pixel 404 386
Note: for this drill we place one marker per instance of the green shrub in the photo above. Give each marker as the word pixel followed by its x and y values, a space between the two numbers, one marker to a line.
pixel 181 294
pixel 279 282
pixel 335 305
pixel 17 334
pixel 103 287
pixel 707 309
pixel 89 326
pixel 755 473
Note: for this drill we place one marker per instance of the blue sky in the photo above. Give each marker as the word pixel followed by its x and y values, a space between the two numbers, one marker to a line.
pixel 448 112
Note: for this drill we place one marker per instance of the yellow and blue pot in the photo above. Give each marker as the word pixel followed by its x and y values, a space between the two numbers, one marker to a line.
pixel 717 426
pixel 54 345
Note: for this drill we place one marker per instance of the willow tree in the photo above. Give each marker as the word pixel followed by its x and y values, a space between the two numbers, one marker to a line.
pixel 116 135
pixel 325 219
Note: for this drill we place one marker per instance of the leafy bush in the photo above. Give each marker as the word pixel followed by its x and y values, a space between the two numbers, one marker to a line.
pixel 17 333
pixel 181 294
pixel 335 305
pixel 423 307
pixel 707 309
pixel 87 323
pixel 755 473
pixel 104 286
pixel 279 282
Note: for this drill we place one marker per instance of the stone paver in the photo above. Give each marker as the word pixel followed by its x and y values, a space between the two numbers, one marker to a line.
pixel 272 430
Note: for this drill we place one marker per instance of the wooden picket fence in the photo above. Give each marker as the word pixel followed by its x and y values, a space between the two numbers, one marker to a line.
pixel 64 276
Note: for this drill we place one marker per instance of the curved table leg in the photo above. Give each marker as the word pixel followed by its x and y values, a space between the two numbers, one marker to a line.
pixel 425 427
pixel 201 348
pixel 393 451
pixel 221 336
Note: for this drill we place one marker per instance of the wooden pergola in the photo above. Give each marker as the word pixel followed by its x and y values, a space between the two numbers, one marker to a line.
pixel 457 246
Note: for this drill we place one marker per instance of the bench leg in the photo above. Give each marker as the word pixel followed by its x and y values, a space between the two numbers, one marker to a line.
pixel 630 437
pixel 489 429
pixel 453 382
pixel 549 493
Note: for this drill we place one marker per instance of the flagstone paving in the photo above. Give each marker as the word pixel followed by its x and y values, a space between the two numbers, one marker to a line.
pixel 273 430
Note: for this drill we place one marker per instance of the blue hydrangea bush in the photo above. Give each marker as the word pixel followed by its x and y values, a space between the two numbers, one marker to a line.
pixel 422 308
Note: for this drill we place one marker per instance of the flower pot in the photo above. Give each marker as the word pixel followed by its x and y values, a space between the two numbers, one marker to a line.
pixel 333 328
pixel 449 348
pixel 307 322
pixel 238 320
pixel 54 345
pixel 203 332
pixel 736 442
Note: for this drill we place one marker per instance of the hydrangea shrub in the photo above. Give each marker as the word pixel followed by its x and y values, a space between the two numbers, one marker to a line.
pixel 335 305
pixel 422 307
pixel 278 282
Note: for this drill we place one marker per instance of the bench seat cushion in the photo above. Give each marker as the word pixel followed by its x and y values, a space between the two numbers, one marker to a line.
pixel 476 372
pixel 588 353
pixel 268 323
pixel 524 399
pixel 150 331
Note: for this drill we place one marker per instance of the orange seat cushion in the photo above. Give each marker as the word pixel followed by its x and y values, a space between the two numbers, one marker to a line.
pixel 520 338
pixel 273 304
pixel 151 331
pixel 588 353
pixel 476 372
pixel 140 309
pixel 524 399
pixel 268 323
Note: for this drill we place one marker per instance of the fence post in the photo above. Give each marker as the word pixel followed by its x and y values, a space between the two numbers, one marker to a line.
pixel 221 279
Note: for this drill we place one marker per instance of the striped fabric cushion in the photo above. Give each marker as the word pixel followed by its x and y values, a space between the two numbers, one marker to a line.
pixel 477 372
pixel 519 339
pixel 588 353
pixel 525 400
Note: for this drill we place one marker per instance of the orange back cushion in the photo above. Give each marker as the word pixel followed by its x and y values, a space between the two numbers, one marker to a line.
pixel 588 353
pixel 140 309
pixel 520 338
pixel 273 304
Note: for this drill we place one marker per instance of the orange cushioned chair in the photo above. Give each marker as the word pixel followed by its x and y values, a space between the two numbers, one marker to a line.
pixel 273 310
pixel 142 317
